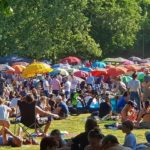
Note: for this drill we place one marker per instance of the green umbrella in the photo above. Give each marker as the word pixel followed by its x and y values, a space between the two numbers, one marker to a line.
pixel 126 79
pixel 141 76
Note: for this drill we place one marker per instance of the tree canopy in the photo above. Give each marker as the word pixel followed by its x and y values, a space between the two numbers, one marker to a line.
pixel 56 28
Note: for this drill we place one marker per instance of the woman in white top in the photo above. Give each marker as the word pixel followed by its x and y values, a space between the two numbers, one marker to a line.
pixel 134 86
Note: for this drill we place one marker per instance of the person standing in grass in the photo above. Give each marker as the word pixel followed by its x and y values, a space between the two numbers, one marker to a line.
pixel 130 140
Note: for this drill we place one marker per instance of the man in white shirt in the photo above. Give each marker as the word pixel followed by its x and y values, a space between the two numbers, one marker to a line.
pixel 134 86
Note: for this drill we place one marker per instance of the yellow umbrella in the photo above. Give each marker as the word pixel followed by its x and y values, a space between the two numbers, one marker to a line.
pixel 36 68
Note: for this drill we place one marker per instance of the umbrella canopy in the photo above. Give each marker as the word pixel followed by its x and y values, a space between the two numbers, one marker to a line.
pixel 21 63
pixel 135 59
pixel 116 71
pixel 64 66
pixel 81 74
pixel 141 76
pixel 98 64
pixel 71 60
pixel 5 67
pixel 132 68
pixel 126 79
pixel 63 72
pixel 86 69
pixel 119 60
pixel 18 69
pixel 98 73
pixel 36 68
pixel 12 59
pixel 110 66
pixel 128 62
pixel 145 65
pixel 72 70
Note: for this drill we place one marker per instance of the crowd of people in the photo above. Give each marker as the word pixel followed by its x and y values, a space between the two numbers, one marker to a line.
pixel 45 98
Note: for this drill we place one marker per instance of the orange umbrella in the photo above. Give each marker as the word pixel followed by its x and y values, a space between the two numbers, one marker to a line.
pixel 145 65
pixel 116 71
pixel 132 68
pixel 18 69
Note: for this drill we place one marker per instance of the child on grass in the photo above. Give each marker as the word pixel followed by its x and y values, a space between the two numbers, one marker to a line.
pixel 130 140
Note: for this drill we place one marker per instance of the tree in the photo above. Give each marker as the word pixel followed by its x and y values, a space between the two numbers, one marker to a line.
pixel 115 23
pixel 47 29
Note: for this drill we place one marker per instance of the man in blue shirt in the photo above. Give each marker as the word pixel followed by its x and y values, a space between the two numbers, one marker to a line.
pixel 122 101
pixel 62 109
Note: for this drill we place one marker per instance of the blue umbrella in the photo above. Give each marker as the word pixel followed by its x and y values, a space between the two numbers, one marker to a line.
pixel 54 73
pixel 98 64
pixel 56 66
pixel 85 69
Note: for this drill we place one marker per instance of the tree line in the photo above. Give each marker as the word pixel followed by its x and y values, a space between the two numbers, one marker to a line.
pixel 85 28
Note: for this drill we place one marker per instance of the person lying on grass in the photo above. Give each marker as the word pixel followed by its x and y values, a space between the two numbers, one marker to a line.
pixel 7 138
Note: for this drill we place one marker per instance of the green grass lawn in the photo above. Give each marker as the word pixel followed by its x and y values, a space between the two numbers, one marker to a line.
pixel 75 125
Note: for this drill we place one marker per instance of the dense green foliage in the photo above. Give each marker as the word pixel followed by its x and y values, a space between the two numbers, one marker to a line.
pixel 57 28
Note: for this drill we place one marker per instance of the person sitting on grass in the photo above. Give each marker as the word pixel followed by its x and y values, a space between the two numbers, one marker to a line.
pixel 61 109
pixel 29 111
pixel 95 139
pixel 81 141
pixel 143 120
pixel 129 112
pixel 7 138
pixel 105 108
pixel 130 140
pixel 110 142
pixel 123 101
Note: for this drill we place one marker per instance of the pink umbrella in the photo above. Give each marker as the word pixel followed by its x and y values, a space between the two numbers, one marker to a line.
pixel 128 62
pixel 71 60
pixel 81 74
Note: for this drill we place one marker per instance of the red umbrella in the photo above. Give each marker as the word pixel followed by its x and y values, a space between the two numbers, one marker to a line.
pixel 98 73
pixel 71 60
pixel 81 74
pixel 116 71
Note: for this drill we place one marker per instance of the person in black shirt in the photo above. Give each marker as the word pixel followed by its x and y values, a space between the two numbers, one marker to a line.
pixel 105 108
pixel 81 140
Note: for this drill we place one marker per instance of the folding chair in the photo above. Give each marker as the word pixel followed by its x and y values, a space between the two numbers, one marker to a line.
pixel 28 119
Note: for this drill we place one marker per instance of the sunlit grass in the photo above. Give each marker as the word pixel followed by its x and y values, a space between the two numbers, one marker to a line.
pixel 75 125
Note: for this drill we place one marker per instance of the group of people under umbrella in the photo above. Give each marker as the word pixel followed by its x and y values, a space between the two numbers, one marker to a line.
pixel 106 91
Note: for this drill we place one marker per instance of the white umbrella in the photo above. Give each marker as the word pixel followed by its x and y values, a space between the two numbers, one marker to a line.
pixel 63 72
pixel 5 67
